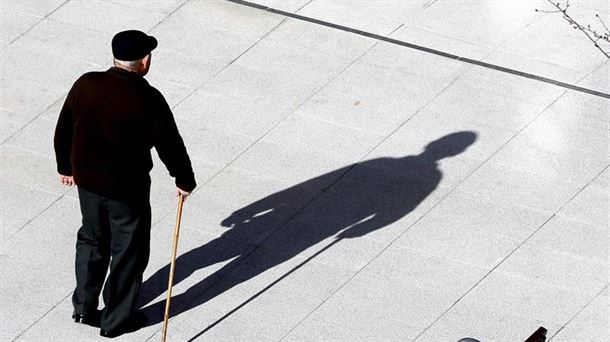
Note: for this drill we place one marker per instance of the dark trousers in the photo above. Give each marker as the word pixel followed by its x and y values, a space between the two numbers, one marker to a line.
pixel 114 233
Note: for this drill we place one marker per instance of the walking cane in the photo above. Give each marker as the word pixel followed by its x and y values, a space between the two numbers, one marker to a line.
pixel 172 269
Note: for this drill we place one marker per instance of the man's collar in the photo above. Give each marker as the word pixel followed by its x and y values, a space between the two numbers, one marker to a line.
pixel 124 72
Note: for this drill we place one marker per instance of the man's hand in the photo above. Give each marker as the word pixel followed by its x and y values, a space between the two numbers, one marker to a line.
pixel 66 180
pixel 182 192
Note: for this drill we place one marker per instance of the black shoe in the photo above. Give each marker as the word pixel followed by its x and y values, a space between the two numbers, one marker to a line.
pixel 137 321
pixel 92 319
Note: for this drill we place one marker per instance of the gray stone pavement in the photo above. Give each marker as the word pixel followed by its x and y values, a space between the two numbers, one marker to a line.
pixel 319 217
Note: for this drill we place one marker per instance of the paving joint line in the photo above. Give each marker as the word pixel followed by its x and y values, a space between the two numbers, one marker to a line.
pixel 341 176
pixel 313 199
pixel 579 312
pixel 424 49
pixel 302 7
pixel 36 216
pixel 524 241
pixel 100 68
pixel 169 15
pixel 37 23
pixel 482 279
pixel 326 188
pixel 229 64
pixel 368 154
pixel 39 319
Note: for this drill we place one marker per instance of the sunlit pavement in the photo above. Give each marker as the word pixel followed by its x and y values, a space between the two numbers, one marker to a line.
pixel 368 170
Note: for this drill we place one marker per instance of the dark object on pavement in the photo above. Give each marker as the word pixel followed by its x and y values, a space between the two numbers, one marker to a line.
pixel 538 336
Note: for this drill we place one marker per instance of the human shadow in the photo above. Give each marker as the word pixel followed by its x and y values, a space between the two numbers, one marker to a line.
pixel 346 203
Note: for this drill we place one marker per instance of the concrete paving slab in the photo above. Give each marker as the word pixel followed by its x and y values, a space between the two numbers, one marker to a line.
pixel 61 218
pixel 164 6
pixel 484 325
pixel 212 145
pixel 60 41
pixel 52 112
pixel 286 291
pixel 557 268
pixel 413 62
pixel 294 69
pixel 501 184
pixel 32 7
pixel 590 324
pixel 598 79
pixel 429 126
pixel 36 137
pixel 484 23
pixel 369 308
pixel 285 294
pixel 590 206
pixel 106 17
pixel 17 317
pixel 522 307
pixel 273 110
pixel 493 99
pixel 50 253
pixel 56 326
pixel 573 237
pixel 286 164
pixel 379 19
pixel 531 65
pixel 470 211
pixel 440 42
pixel 163 188
pixel 331 140
pixel 192 58
pixel 321 39
pixel 204 260
pixel 10 123
pixel 303 240
pixel 236 18
pixel 20 205
pixel 567 163
pixel 481 238
pixel 244 205
pixel 581 107
pixel 48 68
pixel 232 112
pixel 357 98
pixel 14 24
pixel 28 99
pixel 34 285
pixel 543 41
pixel 589 136
pixel 284 5
pixel 34 171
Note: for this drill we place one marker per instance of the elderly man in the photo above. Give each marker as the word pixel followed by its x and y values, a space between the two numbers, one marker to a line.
pixel 109 123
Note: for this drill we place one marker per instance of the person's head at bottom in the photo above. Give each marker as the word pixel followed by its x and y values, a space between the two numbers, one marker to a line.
pixel 132 51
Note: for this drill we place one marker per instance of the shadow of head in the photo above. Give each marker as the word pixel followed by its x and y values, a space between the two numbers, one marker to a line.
pixel 450 145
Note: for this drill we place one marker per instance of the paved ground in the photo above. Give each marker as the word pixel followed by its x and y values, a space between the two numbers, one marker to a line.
pixel 351 188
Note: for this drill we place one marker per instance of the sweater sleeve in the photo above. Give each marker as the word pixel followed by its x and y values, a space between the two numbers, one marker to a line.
pixel 170 148
pixel 64 134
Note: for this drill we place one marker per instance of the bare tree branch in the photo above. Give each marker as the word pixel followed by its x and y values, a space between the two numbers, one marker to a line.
pixel 598 39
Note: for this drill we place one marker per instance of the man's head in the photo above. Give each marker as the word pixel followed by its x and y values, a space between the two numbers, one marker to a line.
pixel 131 50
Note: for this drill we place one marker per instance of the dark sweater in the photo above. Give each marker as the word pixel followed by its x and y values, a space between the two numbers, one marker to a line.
pixel 106 129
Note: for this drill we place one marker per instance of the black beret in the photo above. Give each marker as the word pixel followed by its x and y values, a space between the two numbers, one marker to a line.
pixel 132 45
